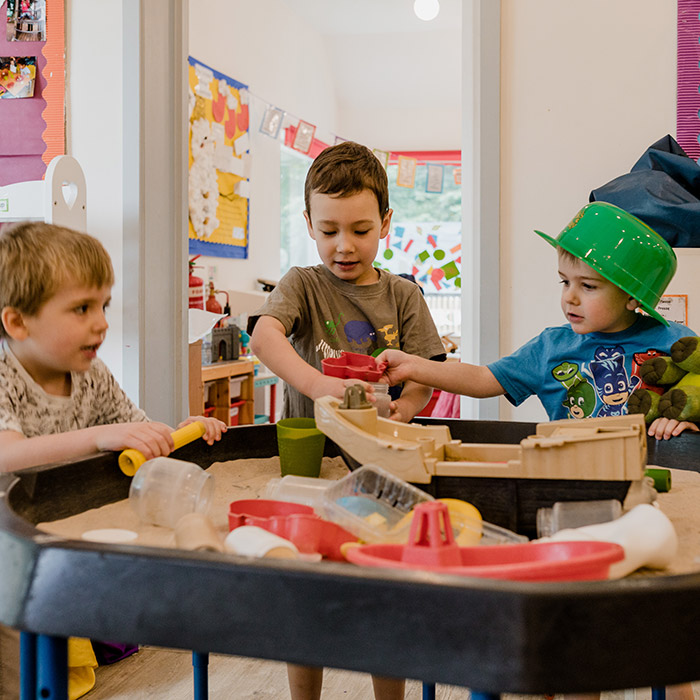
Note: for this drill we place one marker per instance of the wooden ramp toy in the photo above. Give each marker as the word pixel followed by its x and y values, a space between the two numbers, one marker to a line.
pixel 587 459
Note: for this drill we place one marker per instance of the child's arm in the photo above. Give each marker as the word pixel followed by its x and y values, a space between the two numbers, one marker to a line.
pixel 666 428
pixel 19 452
pixel 269 343
pixel 456 377
pixel 414 398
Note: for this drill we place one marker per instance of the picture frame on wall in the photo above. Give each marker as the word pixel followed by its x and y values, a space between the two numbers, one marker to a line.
pixel 272 121
pixel 26 20
pixel 17 76
pixel 304 137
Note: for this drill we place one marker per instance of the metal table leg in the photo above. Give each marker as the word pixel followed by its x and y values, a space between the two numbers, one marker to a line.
pixel 27 666
pixel 200 664
pixel 428 691
pixel 51 667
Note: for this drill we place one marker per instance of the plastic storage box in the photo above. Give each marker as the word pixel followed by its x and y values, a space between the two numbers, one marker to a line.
pixel 377 507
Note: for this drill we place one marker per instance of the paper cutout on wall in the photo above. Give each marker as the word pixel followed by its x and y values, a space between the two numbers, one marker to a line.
pixel 406 175
pixel 430 252
pixel 218 163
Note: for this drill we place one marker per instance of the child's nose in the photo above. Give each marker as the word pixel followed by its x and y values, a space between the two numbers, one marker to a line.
pixel 344 243
pixel 570 295
pixel 100 322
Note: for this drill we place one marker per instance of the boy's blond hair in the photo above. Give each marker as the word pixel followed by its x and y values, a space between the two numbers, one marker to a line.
pixel 37 258
pixel 347 169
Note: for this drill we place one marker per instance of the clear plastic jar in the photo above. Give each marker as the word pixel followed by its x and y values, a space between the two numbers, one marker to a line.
pixel 571 514
pixel 381 393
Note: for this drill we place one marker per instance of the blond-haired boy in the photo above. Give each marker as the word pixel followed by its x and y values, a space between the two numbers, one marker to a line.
pixel 57 399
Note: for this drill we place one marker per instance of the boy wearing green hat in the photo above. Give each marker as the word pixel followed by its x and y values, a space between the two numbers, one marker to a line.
pixel 611 264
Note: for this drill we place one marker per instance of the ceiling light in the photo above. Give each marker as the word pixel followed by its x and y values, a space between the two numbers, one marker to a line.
pixel 426 9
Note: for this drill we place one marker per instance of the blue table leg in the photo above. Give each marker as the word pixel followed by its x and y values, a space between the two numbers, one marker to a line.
pixel 200 663
pixel 658 693
pixel 428 691
pixel 27 666
pixel 484 696
pixel 52 667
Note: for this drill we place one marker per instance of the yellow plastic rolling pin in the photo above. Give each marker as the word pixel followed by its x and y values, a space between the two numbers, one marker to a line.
pixel 130 460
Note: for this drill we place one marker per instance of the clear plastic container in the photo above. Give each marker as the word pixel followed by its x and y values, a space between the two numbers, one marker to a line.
pixel 381 392
pixel 377 506
pixel 307 490
pixel 572 514
pixel 164 489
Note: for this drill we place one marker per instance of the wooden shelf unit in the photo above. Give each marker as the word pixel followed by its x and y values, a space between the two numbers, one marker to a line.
pixel 218 376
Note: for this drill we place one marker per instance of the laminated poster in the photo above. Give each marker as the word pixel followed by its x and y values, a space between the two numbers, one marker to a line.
pixel 219 163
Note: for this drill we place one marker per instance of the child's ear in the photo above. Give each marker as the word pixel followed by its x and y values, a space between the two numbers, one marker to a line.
pixel 309 227
pixel 13 322
pixel 386 224
pixel 632 304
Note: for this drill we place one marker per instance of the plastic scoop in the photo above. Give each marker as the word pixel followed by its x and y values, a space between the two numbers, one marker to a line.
pixel 130 460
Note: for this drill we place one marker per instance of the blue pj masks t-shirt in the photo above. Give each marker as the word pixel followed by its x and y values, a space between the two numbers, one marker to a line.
pixel 583 376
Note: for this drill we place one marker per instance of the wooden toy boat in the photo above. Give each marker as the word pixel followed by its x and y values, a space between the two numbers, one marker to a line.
pixel 565 460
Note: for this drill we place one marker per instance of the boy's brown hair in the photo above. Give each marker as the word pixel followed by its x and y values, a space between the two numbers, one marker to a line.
pixel 347 169
pixel 37 258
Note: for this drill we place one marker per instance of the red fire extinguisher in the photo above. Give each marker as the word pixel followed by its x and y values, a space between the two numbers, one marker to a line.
pixel 214 306
pixel 196 288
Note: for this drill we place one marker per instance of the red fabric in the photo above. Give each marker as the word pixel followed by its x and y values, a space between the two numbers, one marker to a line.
pixel 447 406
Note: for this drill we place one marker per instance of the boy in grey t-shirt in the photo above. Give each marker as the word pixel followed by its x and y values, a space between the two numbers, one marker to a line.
pixel 345 303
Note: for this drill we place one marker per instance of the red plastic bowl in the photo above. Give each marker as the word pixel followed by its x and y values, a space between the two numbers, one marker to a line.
pixel 529 561
pixel 293 521
pixel 353 365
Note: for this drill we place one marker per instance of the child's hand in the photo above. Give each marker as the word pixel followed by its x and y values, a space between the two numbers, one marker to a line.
pixel 151 439
pixel 335 386
pixel 665 428
pixel 399 366
pixel 213 427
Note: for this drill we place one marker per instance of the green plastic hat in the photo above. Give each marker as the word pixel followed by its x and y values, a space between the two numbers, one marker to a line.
pixel 622 249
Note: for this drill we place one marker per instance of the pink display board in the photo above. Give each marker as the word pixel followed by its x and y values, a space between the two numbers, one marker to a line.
pixel 688 77
pixel 33 129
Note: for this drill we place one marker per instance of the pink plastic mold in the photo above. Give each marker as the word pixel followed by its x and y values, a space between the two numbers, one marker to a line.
pixel 432 547
pixel 293 521
pixel 352 365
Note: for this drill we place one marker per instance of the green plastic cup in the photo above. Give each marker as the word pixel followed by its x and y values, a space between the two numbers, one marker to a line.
pixel 300 444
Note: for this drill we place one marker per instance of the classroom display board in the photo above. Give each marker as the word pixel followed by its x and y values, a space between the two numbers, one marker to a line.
pixel 32 87
pixel 432 253
pixel 219 163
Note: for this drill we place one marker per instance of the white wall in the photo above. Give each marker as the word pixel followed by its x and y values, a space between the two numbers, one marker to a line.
pixel 586 87
pixel 266 46
pixel 94 137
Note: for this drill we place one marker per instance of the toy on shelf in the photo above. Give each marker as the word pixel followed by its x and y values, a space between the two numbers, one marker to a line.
pixel 670 385
pixel 587 459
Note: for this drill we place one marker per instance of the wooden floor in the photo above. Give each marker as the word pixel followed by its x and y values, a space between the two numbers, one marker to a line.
pixel 166 674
